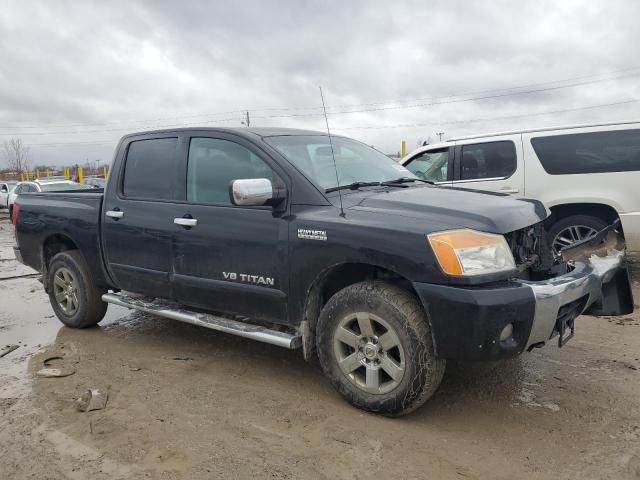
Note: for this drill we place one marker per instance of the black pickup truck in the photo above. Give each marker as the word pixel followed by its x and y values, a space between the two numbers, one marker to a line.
pixel 305 240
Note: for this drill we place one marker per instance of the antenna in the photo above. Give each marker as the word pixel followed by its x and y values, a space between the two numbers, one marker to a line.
pixel 333 156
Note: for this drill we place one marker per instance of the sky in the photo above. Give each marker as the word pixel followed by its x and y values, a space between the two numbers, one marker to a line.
pixel 76 76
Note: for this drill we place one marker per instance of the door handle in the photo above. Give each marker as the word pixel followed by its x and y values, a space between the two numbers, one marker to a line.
pixel 186 222
pixel 509 190
pixel 116 214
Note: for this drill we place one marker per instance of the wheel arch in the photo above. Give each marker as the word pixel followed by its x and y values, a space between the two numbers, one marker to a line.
pixel 333 279
pixel 51 246
pixel 601 210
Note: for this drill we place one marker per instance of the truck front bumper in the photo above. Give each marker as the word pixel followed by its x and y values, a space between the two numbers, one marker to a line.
pixel 501 321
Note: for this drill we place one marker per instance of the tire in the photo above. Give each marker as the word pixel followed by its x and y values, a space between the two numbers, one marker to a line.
pixel 567 230
pixel 417 372
pixel 79 303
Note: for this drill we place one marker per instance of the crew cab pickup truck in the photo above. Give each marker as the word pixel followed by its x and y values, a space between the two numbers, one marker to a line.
pixel 305 240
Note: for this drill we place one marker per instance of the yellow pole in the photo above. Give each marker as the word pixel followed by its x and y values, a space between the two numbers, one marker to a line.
pixel 66 173
pixel 105 172
pixel 80 174
pixel 404 148
pixel 48 173
pixel 37 173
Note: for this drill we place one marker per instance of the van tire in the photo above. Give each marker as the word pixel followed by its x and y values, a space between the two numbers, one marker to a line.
pixel 73 296
pixel 587 221
pixel 388 308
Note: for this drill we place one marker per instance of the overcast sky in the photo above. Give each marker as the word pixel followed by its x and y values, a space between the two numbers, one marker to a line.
pixel 75 76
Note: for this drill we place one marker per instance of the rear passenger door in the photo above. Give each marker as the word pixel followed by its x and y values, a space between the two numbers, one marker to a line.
pixel 494 165
pixel 230 258
pixel 138 213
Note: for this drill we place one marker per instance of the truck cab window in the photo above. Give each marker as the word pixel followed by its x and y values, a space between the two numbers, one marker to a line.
pixel 432 165
pixel 488 160
pixel 150 169
pixel 214 163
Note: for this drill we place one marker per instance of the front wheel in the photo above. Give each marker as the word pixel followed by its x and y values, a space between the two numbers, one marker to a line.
pixel 74 298
pixel 375 346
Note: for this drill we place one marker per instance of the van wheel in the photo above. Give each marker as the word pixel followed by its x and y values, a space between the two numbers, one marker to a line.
pixel 374 343
pixel 73 296
pixel 569 230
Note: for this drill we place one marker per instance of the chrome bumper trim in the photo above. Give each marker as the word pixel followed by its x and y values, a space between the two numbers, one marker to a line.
pixel 585 279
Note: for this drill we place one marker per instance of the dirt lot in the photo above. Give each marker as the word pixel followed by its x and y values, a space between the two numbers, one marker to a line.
pixel 186 402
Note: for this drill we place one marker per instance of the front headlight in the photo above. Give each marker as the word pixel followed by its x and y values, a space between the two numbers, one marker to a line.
pixel 467 252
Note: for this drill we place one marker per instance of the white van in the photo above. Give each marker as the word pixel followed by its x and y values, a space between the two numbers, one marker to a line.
pixel 587 175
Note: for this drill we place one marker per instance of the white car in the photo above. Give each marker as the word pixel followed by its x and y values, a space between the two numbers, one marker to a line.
pixel 41 186
pixel 6 187
pixel 588 175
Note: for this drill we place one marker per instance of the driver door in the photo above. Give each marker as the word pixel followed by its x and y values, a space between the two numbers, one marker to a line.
pixel 434 165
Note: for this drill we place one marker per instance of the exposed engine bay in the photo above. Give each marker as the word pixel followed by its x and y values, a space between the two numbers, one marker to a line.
pixel 537 261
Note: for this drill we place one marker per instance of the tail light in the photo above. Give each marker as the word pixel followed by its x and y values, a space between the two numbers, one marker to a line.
pixel 16 214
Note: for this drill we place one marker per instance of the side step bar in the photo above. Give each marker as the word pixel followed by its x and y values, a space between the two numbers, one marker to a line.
pixel 214 322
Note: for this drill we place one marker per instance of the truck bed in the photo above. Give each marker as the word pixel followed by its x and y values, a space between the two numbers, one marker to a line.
pixel 49 217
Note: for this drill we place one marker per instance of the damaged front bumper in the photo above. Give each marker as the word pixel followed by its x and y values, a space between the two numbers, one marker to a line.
pixel 501 321
pixel 598 286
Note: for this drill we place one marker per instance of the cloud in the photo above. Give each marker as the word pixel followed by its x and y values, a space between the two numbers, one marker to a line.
pixel 83 74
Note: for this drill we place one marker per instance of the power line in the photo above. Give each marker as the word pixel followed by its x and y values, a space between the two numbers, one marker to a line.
pixel 406 125
pixel 488 119
pixel 432 101
pixel 306 115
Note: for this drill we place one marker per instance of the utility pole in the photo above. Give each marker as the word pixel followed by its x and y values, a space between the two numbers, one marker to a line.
pixel 246 121
pixel 440 134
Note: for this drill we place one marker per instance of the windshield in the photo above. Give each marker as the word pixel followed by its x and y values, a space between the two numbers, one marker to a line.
pixel 56 187
pixel 355 161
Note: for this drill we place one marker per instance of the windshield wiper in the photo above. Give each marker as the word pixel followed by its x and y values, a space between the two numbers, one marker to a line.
pixel 398 182
pixel 401 180
pixel 353 186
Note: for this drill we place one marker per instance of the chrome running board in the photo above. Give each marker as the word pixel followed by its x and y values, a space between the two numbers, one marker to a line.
pixel 214 322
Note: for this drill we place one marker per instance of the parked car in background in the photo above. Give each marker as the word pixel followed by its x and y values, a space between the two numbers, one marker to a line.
pixel 41 186
pixel 587 175
pixel 95 182
pixel 5 190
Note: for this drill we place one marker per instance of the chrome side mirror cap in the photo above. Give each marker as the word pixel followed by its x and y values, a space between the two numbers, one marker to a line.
pixel 254 192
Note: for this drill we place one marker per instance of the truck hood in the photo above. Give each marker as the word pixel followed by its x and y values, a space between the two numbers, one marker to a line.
pixel 455 208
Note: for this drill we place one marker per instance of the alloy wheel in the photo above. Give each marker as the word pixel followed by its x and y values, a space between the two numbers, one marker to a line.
pixel 65 288
pixel 571 235
pixel 369 352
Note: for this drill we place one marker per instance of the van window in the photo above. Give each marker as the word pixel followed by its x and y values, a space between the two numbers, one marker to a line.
pixel 488 160
pixel 214 163
pixel 595 152
pixel 151 168
pixel 431 165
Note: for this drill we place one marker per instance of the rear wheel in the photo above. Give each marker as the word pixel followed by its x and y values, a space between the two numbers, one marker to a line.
pixel 374 344
pixel 73 296
pixel 573 229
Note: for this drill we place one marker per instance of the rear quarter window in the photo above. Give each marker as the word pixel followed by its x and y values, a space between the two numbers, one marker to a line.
pixel 595 152
pixel 150 169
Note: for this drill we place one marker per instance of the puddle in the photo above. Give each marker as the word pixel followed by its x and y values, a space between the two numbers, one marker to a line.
pixel 27 320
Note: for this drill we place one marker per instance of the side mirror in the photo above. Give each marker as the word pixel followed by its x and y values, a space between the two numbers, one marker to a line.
pixel 4 190
pixel 255 192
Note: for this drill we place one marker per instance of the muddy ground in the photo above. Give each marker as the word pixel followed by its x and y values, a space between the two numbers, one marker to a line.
pixel 186 402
